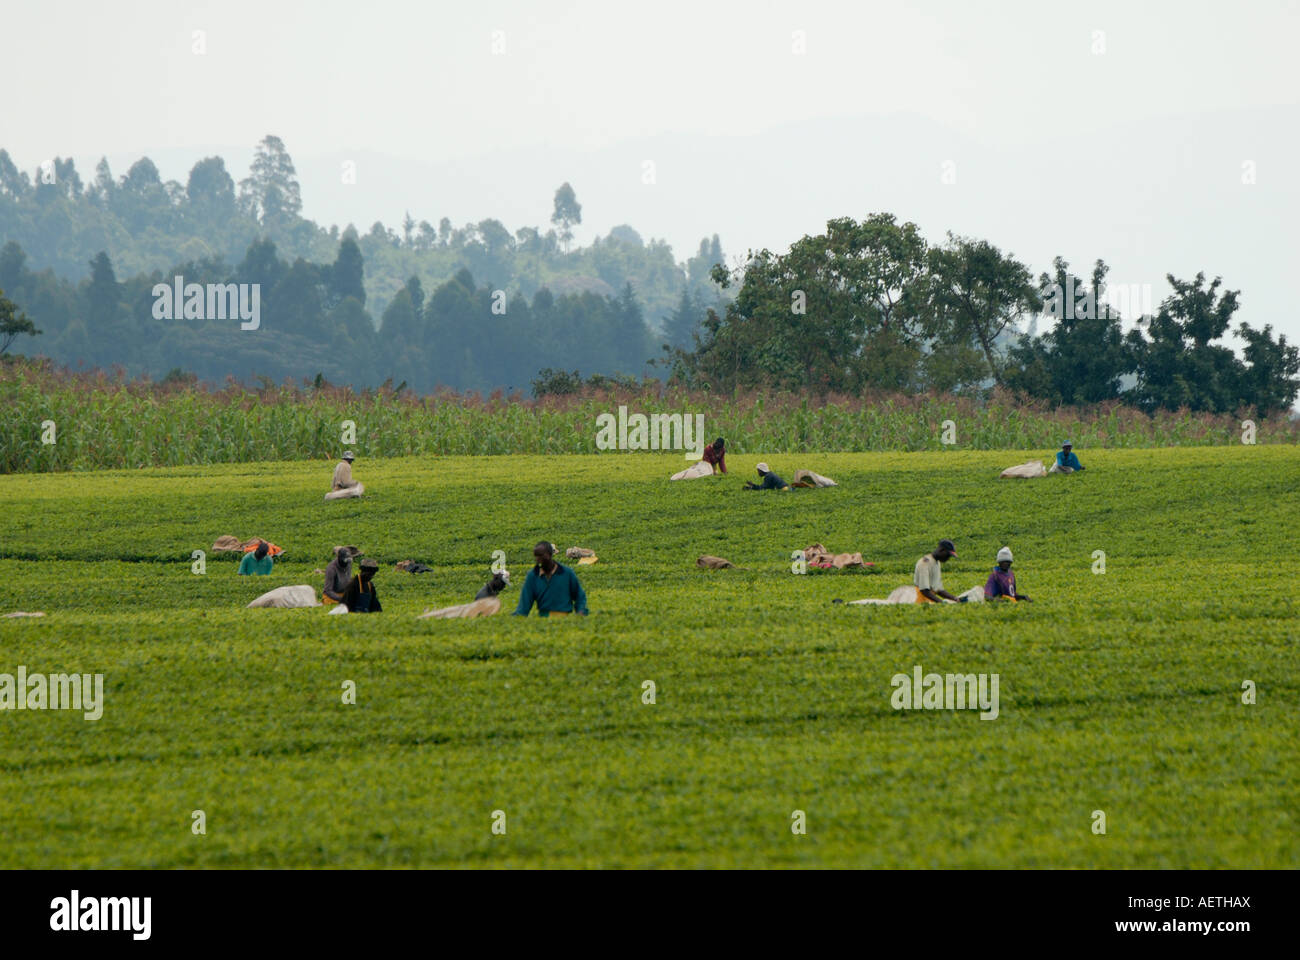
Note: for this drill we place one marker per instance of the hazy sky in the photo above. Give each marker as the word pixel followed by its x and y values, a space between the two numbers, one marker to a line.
pixel 1118 130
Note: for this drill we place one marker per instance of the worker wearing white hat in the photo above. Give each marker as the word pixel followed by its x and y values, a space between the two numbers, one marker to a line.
pixel 770 480
pixel 1002 582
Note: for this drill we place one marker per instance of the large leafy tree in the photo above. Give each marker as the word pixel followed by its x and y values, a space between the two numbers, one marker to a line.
pixel 1272 381
pixel 842 311
pixel 878 269
pixel 1180 364
pixel 1084 356
pixel 977 294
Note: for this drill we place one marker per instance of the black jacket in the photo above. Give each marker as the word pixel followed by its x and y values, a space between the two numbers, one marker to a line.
pixel 770 482
pixel 356 599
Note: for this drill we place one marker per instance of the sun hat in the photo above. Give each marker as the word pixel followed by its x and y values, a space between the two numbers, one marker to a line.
pixel 349 455
pixel 762 468
pixel 1005 554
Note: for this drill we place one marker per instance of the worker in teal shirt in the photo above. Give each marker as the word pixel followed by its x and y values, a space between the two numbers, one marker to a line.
pixel 552 586
pixel 1066 461
pixel 257 561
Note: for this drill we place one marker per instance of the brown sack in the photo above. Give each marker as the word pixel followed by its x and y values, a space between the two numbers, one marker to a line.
pixel 713 563
pixel 573 553
pixel 227 542
pixel 818 555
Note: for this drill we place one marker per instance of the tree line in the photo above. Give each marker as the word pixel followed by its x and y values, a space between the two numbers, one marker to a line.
pixel 143 223
pixel 871 305
pixel 313 321
pixel 864 306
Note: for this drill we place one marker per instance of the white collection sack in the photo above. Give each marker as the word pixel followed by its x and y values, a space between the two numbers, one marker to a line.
pixel 909 594
pixel 476 608
pixel 1025 471
pixel 345 493
pixel 701 469
pixel 816 479
pixel 301 595
pixel 903 594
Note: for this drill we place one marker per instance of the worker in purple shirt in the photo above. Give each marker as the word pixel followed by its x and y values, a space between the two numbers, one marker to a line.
pixel 1002 582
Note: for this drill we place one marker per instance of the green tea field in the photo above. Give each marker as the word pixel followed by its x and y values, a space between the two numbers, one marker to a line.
pixel 1155 679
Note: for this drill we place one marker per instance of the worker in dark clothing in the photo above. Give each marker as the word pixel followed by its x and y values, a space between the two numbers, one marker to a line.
pixel 494 586
pixel 770 481
pixel 337 576
pixel 552 586
pixel 715 455
pixel 360 596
